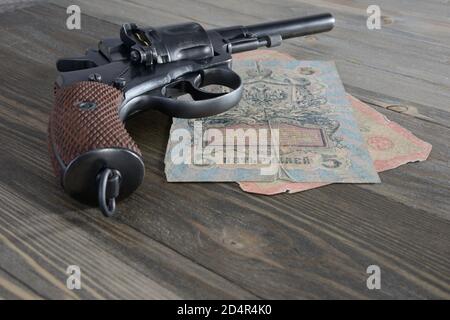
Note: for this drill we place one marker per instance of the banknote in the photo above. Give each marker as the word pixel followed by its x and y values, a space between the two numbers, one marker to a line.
pixel 294 123
pixel 389 144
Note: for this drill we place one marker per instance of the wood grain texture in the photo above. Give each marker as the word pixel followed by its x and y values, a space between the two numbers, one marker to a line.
pixel 207 240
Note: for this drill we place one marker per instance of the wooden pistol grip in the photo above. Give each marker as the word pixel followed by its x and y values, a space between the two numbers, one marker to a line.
pixel 85 135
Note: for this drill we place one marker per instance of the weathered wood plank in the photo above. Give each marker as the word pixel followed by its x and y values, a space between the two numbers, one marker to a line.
pixel 205 240
pixel 115 260
pixel 13 288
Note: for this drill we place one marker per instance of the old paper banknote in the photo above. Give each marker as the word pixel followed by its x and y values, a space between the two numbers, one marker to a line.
pixel 298 108
pixel 389 144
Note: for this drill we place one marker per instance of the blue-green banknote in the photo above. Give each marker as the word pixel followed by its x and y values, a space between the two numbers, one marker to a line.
pixel 293 123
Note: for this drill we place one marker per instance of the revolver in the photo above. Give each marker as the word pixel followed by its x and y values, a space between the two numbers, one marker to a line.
pixel 91 152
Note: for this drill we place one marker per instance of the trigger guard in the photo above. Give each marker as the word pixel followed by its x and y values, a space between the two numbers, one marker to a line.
pixel 220 76
pixel 214 103
pixel 215 76
pixel 209 103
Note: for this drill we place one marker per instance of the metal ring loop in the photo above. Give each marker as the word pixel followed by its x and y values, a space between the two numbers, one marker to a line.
pixel 107 206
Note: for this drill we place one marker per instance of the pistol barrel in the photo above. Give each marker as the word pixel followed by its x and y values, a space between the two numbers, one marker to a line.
pixel 292 28
pixel 269 34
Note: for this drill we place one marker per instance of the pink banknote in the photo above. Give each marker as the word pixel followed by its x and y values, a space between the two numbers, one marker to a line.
pixel 389 145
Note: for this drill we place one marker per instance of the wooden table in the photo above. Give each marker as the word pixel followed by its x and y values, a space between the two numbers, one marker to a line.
pixel 212 240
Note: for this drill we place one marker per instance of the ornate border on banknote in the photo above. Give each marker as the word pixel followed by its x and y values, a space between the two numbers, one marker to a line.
pixel 319 139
